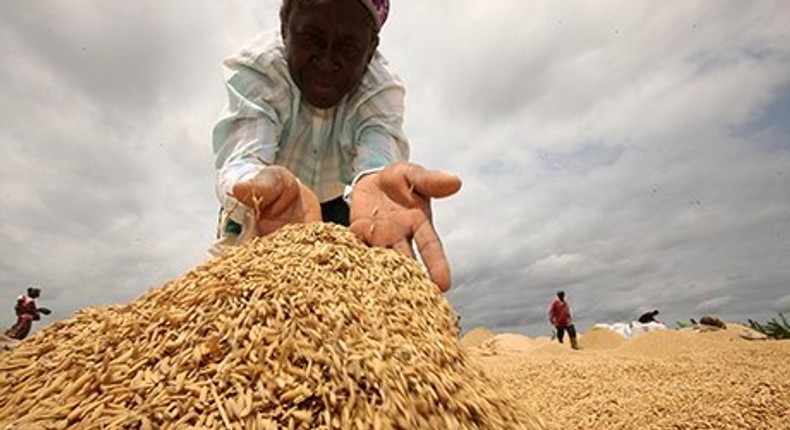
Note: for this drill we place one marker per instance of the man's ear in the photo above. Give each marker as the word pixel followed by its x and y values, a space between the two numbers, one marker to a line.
pixel 373 46
pixel 285 12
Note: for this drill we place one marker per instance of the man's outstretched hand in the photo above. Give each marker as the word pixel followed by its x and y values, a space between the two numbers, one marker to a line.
pixel 392 207
pixel 274 198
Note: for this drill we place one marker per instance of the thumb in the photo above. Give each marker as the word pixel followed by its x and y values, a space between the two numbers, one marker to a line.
pixel 253 193
pixel 263 187
pixel 273 189
pixel 402 181
pixel 433 183
pixel 249 230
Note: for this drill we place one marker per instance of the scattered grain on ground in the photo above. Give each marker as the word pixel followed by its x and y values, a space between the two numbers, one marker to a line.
pixel 475 337
pixel 601 338
pixel 663 380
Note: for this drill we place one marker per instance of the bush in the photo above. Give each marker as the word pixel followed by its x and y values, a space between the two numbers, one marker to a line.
pixel 775 329
pixel 691 323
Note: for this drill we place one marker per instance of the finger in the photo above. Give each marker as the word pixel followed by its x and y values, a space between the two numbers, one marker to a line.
pixel 249 230
pixel 363 229
pixel 406 184
pixel 404 247
pixel 289 189
pixel 432 183
pixel 312 206
pixel 271 191
pixel 393 181
pixel 432 253
pixel 255 193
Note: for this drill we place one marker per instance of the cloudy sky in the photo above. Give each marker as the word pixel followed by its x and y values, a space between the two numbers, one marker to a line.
pixel 633 154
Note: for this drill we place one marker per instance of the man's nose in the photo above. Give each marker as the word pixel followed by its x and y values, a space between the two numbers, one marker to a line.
pixel 326 59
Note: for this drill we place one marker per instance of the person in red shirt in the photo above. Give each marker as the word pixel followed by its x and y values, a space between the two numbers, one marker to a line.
pixel 26 312
pixel 560 318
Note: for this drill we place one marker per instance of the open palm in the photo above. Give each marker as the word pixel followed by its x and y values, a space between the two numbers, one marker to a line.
pixel 392 208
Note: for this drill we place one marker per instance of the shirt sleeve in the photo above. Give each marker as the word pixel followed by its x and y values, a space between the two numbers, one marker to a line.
pixel 246 137
pixel 553 312
pixel 379 136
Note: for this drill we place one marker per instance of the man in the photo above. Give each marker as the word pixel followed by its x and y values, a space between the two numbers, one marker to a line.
pixel 313 131
pixel 560 318
pixel 26 312
pixel 649 317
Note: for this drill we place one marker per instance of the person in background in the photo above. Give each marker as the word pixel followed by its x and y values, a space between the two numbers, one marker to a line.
pixel 560 318
pixel 649 317
pixel 312 131
pixel 26 312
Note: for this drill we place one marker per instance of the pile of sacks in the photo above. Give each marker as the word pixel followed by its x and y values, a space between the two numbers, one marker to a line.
pixel 632 329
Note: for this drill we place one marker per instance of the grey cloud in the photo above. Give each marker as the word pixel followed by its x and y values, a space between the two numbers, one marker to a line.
pixel 634 156
pixel 782 304
pixel 108 51
pixel 715 304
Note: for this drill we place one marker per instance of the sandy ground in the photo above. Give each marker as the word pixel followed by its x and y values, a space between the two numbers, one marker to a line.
pixel 659 380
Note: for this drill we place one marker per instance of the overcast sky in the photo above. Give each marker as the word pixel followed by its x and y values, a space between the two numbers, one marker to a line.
pixel 633 154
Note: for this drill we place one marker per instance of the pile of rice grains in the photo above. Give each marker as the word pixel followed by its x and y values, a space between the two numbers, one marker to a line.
pixel 304 329
pixel 662 380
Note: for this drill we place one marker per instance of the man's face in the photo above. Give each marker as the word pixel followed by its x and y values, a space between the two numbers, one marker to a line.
pixel 328 45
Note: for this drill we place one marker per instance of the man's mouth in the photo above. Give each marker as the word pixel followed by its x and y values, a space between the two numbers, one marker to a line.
pixel 323 87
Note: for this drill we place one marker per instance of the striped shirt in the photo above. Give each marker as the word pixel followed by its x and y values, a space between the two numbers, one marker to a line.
pixel 266 122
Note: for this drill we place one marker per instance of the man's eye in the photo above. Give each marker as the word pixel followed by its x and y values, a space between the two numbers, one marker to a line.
pixel 350 50
pixel 310 39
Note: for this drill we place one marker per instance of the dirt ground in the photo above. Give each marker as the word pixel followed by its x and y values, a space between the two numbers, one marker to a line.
pixel 659 380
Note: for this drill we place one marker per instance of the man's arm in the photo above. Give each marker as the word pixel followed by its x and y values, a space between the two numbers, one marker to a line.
pixel 553 313
pixel 391 199
pixel 259 196
pixel 254 192
pixel 245 141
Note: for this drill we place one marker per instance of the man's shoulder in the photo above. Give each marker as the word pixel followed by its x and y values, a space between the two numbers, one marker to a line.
pixel 265 52
pixel 379 75
pixel 259 71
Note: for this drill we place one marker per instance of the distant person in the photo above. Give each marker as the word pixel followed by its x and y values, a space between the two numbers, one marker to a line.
pixel 560 318
pixel 649 317
pixel 26 312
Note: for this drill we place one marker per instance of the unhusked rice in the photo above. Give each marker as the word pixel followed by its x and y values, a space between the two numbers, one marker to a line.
pixel 306 328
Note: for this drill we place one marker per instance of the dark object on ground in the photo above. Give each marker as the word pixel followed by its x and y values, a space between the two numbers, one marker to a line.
pixel 712 321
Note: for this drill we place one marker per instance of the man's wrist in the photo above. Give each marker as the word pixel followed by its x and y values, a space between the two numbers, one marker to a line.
pixel 349 189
